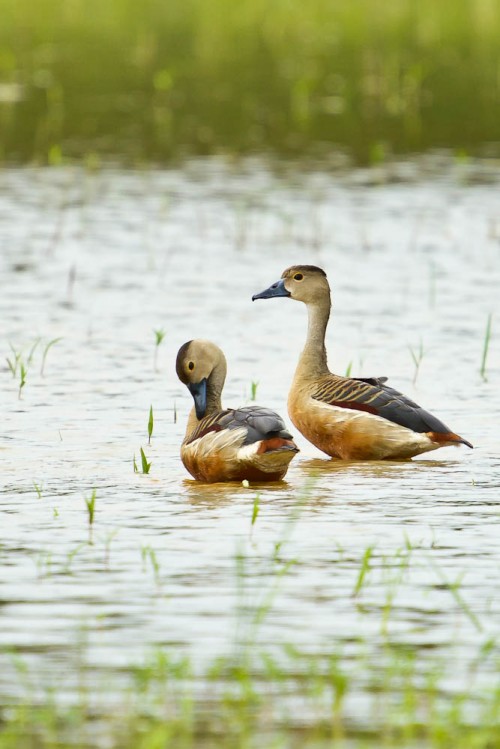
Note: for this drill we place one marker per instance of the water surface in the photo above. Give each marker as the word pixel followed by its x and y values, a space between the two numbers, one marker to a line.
pixel 100 260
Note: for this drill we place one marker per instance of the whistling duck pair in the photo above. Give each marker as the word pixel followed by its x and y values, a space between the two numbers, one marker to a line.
pixel 345 417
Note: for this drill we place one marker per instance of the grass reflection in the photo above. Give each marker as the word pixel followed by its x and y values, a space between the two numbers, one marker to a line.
pixel 155 80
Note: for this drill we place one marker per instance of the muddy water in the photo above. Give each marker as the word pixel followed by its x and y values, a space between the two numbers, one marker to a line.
pixel 100 260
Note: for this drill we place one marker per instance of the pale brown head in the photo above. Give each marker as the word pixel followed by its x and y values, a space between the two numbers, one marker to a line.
pixel 201 366
pixel 305 283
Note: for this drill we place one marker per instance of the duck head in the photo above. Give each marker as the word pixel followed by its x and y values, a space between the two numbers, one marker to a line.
pixel 201 366
pixel 305 283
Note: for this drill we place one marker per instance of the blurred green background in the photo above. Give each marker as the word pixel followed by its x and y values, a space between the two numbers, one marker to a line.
pixel 156 80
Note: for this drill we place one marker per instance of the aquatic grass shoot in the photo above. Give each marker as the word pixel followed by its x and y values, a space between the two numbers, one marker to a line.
pixel 107 545
pixel 46 351
pixel 90 505
pixel 71 557
pixel 256 508
pixel 486 345
pixel 144 462
pixel 255 512
pixel 417 355
pixel 44 565
pixel 22 378
pixel 454 588
pixel 38 488
pixel 32 351
pixel 145 465
pixel 253 390
pixel 14 362
pixel 363 571
pixel 19 367
pixel 148 554
pixel 150 424
pixel 159 335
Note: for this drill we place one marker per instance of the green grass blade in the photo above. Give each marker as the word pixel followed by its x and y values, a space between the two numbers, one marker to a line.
pixel 150 424
pixel 486 345
pixel 46 351
pixel 256 508
pixel 144 462
pixel 90 503
pixel 365 567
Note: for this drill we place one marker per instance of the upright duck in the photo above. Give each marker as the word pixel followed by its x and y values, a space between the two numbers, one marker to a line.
pixel 227 444
pixel 349 418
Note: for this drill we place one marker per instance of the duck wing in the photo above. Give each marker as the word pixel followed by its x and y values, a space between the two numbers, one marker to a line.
pixel 260 424
pixel 371 380
pixel 373 396
pixel 211 423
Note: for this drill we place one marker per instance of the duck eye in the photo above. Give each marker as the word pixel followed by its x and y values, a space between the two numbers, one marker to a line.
pixel 298 277
pixel 191 365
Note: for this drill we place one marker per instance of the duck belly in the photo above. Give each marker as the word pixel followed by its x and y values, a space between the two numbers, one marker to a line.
pixel 220 456
pixel 356 435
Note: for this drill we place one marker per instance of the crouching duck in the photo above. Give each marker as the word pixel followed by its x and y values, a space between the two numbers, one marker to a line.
pixel 349 418
pixel 228 444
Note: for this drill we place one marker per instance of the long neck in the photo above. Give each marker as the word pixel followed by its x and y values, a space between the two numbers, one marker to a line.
pixel 215 383
pixel 312 361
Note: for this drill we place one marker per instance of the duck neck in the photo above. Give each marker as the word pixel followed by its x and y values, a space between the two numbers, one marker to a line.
pixel 215 383
pixel 312 362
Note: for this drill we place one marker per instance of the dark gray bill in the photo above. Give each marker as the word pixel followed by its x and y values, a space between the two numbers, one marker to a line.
pixel 199 392
pixel 277 289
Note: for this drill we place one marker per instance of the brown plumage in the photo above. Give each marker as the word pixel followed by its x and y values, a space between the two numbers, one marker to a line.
pixel 346 417
pixel 227 444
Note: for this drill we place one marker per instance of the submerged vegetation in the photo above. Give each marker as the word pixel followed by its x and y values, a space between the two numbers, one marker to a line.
pixel 282 699
pixel 153 80
pixel 361 692
pixel 280 696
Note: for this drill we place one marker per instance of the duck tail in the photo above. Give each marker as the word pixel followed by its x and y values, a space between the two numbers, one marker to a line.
pixel 449 438
pixel 276 444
